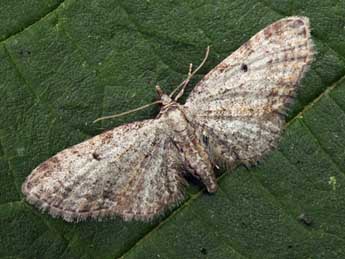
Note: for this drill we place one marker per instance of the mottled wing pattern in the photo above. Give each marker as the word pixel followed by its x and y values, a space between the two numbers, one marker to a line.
pixel 240 105
pixel 132 171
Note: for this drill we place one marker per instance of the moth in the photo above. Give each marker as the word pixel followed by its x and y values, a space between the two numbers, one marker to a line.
pixel 234 115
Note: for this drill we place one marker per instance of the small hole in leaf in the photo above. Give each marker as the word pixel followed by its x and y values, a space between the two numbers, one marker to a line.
pixel 203 251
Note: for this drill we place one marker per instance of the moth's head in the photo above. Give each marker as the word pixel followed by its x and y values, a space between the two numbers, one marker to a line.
pixel 163 96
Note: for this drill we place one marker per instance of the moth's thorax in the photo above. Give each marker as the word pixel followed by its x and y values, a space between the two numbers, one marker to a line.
pixel 175 115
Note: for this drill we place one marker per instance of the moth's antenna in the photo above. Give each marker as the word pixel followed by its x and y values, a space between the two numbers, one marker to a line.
pixel 191 73
pixel 183 86
pixel 127 112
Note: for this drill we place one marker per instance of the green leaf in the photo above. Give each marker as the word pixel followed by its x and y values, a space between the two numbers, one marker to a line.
pixel 65 63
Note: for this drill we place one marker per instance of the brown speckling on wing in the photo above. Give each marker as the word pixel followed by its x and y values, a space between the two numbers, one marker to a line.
pixel 105 176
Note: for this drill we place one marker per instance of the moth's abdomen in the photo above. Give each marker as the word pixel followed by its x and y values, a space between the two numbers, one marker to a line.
pixel 193 154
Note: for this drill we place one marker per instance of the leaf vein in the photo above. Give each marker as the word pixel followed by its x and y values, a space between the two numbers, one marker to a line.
pixel 52 10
